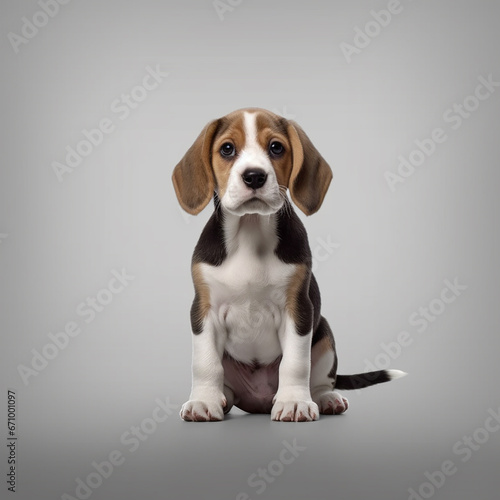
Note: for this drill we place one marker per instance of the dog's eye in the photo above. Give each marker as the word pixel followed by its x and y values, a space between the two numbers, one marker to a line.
pixel 276 148
pixel 227 149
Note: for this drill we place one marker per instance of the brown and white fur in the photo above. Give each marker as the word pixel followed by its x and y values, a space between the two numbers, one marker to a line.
pixel 259 340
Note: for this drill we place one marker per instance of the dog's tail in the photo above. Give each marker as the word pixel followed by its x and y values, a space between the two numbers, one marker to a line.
pixel 361 380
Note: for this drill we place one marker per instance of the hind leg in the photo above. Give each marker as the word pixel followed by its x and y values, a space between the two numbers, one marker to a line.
pixel 323 372
pixel 331 403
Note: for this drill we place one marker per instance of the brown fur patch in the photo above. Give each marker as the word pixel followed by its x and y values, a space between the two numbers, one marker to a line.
pixel 192 177
pixel 271 127
pixel 311 174
pixel 231 130
pixel 201 304
pixel 297 287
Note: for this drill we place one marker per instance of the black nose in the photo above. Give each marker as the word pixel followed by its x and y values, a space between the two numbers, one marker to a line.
pixel 254 178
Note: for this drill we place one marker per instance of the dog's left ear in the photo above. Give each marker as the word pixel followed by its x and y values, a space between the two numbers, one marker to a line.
pixel 193 176
pixel 311 175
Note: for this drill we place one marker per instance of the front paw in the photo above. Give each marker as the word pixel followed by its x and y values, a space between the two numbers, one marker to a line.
pixel 295 411
pixel 197 410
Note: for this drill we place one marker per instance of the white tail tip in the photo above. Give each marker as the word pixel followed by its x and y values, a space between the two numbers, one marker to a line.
pixel 394 374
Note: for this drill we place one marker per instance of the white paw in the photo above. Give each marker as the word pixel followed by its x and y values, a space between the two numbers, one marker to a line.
pixel 196 410
pixel 295 411
pixel 332 403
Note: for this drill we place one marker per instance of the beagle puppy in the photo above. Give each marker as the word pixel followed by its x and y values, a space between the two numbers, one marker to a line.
pixel 259 339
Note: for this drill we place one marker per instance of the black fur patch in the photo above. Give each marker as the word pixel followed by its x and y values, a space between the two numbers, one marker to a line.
pixel 210 248
pixel 323 330
pixel 293 245
pixel 361 380
pixel 305 309
pixel 293 248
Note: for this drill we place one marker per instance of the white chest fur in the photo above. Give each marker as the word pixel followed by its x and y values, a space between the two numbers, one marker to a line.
pixel 248 290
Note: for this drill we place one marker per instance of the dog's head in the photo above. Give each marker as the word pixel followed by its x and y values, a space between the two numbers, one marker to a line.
pixel 250 158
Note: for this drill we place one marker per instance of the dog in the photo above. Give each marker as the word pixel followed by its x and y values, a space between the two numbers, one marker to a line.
pixel 258 337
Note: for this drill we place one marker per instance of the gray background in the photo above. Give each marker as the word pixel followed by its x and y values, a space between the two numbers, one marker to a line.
pixel 61 240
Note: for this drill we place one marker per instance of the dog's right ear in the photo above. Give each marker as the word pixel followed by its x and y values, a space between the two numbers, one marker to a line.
pixel 193 176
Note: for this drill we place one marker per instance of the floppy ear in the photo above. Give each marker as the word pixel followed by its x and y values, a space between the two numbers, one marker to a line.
pixel 311 175
pixel 193 176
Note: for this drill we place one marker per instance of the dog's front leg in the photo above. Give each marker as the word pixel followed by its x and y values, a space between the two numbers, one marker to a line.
pixel 207 400
pixel 293 401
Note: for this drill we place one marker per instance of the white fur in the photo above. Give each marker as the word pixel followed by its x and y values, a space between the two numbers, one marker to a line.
pixel 248 297
pixel 394 374
pixel 238 198
pixel 320 381
pixel 248 290
pixel 293 400
pixel 207 398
